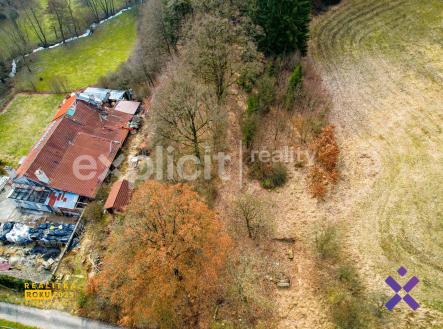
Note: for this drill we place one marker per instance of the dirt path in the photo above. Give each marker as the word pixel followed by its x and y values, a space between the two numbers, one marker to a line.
pixel 297 216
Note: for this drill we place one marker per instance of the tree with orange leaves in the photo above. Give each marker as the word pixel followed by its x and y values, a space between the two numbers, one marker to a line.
pixel 163 264
pixel 324 172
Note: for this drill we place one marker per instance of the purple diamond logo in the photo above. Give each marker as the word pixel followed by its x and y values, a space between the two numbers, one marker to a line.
pixel 396 287
pixel 402 271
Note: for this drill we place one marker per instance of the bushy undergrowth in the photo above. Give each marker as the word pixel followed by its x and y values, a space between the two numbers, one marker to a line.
pixel 326 242
pixel 324 172
pixel 249 127
pixel 13 282
pixel 93 212
pixel 270 175
pixel 294 87
pixel 350 307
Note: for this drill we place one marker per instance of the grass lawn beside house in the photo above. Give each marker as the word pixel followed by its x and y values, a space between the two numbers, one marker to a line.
pixel 22 123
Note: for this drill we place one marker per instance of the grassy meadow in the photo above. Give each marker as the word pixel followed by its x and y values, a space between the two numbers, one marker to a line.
pixel 81 62
pixel 382 61
pixel 80 12
pixel 22 122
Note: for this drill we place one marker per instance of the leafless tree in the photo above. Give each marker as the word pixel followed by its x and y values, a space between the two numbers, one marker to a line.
pixel 73 20
pixel 94 8
pixel 185 111
pixel 59 12
pixel 217 50
pixel 18 40
pixel 34 16
pixel 107 7
pixel 251 213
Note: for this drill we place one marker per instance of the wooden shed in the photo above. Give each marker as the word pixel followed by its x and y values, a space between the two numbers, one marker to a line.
pixel 119 196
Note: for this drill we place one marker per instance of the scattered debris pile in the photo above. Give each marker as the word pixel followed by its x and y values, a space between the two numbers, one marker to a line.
pixel 31 252
pixel 47 234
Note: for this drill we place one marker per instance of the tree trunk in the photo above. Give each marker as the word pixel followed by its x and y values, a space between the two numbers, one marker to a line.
pixel 74 21
pixel 38 27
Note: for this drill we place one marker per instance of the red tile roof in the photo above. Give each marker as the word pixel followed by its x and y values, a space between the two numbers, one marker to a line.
pixel 119 196
pixel 85 135
pixel 64 107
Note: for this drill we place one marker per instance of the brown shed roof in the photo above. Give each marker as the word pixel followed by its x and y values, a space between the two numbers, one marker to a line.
pixel 119 196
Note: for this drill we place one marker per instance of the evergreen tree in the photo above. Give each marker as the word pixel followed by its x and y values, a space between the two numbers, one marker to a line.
pixel 285 24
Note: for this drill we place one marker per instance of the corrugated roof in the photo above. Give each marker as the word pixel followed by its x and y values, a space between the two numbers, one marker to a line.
pixel 87 132
pixel 129 107
pixel 99 94
pixel 119 195
pixel 103 94
pixel 64 107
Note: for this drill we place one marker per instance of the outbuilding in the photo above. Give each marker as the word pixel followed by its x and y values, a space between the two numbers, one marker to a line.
pixel 119 196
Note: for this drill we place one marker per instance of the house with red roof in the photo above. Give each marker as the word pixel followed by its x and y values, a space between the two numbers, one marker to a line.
pixel 68 163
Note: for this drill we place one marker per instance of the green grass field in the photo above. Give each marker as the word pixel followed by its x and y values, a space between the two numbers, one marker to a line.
pixel 80 11
pixel 22 123
pixel 82 62
pixel 15 325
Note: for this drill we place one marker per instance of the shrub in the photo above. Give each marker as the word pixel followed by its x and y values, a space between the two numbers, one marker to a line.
pixel 295 78
pixel 13 283
pixel 264 97
pixel 348 275
pixel 294 87
pixel 265 93
pixel 252 104
pixel 327 244
pixel 249 127
pixel 269 175
pixel 325 171
pixel 349 312
pixel 317 182
pixel 326 149
pixel 93 212
pixel 275 177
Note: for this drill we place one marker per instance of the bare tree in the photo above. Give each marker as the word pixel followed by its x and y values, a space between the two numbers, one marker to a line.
pixel 185 111
pixel 59 12
pixel 18 40
pixel 251 212
pixel 34 16
pixel 217 50
pixel 107 7
pixel 73 20
pixel 94 8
